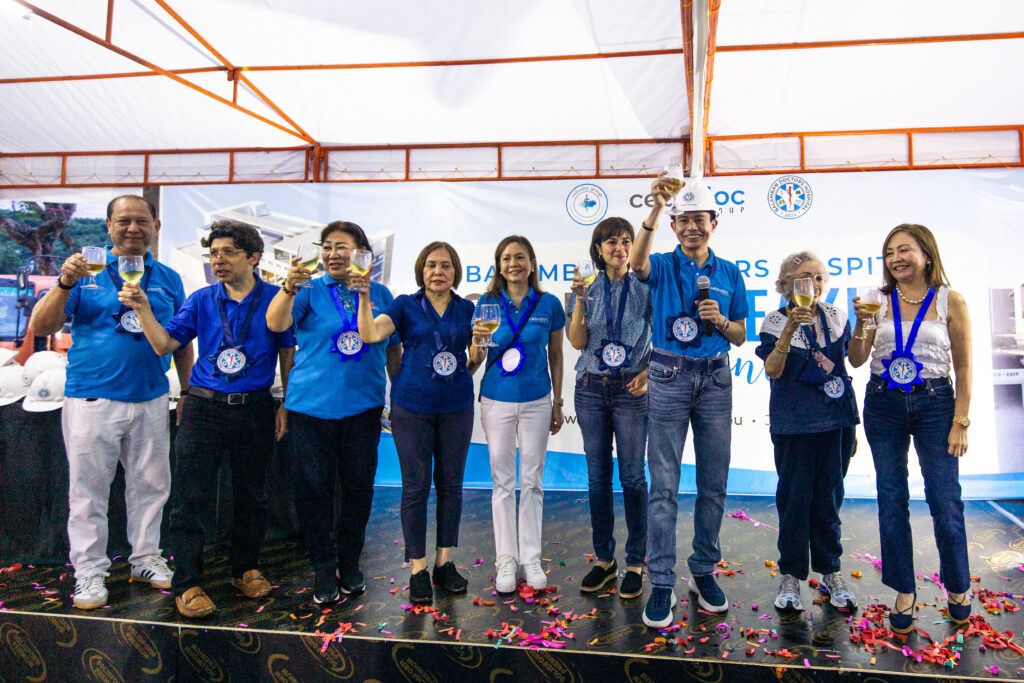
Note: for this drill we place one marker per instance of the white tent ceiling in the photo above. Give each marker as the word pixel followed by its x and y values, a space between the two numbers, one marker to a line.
pixel 160 91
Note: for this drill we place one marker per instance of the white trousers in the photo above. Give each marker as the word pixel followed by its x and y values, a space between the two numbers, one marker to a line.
pixel 97 435
pixel 506 424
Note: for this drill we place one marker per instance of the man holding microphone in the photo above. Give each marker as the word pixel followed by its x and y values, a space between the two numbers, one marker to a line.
pixel 689 382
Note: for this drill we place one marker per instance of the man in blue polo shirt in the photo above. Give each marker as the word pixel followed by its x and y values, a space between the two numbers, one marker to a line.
pixel 229 408
pixel 116 405
pixel 689 382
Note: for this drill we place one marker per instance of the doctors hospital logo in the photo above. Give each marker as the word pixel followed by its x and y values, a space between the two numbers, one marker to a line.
pixel 790 197
pixel 586 204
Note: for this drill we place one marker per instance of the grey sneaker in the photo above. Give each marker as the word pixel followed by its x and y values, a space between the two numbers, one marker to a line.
pixel 838 594
pixel 789 594
pixel 153 570
pixel 90 591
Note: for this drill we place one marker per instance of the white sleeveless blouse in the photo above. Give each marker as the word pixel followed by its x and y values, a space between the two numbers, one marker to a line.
pixel 932 346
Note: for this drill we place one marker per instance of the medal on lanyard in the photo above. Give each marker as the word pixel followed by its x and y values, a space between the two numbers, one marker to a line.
pixel 514 357
pixel 346 342
pixel 127 320
pixel 683 328
pixel 443 362
pixel 820 373
pixel 612 353
pixel 901 368
pixel 230 360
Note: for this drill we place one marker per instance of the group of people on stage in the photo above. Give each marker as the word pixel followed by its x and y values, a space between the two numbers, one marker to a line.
pixel 653 331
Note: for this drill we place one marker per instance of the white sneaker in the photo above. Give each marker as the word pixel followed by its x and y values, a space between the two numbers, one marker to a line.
pixel 90 592
pixel 153 569
pixel 534 575
pixel 505 581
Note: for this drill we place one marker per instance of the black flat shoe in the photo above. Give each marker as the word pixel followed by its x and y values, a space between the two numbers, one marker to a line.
pixel 447 578
pixel 902 621
pixel 420 590
pixel 632 585
pixel 959 612
pixel 598 577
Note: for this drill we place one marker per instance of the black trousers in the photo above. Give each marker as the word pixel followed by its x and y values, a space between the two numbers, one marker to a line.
pixel 208 429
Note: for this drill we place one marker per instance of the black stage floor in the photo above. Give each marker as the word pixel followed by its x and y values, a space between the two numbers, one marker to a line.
pixel 560 635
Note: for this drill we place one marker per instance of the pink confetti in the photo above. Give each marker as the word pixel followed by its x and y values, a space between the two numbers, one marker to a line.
pixel 740 514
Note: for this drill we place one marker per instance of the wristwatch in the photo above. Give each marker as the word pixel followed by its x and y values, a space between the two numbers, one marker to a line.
pixel 558 401
pixel 962 420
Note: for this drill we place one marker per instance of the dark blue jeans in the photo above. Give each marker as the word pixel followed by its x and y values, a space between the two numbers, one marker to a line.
pixel 811 469
pixel 208 429
pixel 680 392
pixel 323 452
pixel 605 409
pixel 891 418
pixel 431 445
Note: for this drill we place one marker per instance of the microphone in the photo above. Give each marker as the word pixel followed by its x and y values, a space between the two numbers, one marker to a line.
pixel 704 287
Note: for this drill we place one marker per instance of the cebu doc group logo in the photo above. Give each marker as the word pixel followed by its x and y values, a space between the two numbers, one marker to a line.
pixel 586 204
pixel 790 196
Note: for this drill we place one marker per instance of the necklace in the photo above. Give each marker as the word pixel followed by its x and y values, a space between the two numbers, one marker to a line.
pixel 913 302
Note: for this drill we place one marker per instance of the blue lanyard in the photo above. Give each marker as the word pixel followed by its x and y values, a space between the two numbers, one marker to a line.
pixel 339 305
pixel 614 329
pixel 679 281
pixel 439 340
pixel 811 338
pixel 528 307
pixel 898 322
pixel 243 330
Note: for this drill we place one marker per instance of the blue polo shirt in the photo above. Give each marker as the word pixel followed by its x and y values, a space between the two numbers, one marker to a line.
pixel 321 384
pixel 200 317
pixel 415 387
pixel 727 288
pixel 113 365
pixel 532 381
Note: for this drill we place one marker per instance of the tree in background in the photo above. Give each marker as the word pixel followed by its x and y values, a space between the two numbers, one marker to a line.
pixel 39 228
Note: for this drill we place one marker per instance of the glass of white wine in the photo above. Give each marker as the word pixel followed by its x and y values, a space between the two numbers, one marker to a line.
pixel 803 292
pixel 130 268
pixel 489 318
pixel 309 257
pixel 95 262
pixel 674 175
pixel 871 299
pixel 361 263
pixel 588 271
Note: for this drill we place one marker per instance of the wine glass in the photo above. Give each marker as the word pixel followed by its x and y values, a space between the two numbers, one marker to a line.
pixel 361 263
pixel 588 271
pixel 309 257
pixel 803 292
pixel 95 262
pixel 490 318
pixel 674 176
pixel 130 268
pixel 871 299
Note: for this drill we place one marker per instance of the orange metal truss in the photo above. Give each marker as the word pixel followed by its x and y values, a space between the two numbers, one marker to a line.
pixel 863 42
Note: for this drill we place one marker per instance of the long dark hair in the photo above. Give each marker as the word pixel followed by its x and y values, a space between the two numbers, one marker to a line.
pixel 935 274
pixel 498 282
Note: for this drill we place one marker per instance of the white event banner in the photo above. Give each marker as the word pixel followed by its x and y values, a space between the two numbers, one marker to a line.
pixel 976 216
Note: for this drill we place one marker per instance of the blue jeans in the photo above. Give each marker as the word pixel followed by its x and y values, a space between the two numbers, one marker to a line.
pixel 604 408
pixel 811 469
pixel 682 391
pixel 890 419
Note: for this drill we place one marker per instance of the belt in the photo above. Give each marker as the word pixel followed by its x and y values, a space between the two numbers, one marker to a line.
pixel 674 360
pixel 929 384
pixel 621 378
pixel 236 399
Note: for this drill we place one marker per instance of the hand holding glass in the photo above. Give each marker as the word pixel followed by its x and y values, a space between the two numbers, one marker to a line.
pixel 130 268
pixel 871 299
pixel 674 176
pixel 361 263
pixel 803 292
pixel 309 257
pixel 490 318
pixel 588 271
pixel 95 262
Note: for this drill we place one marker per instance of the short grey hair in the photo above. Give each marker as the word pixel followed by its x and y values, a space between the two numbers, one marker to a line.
pixel 784 285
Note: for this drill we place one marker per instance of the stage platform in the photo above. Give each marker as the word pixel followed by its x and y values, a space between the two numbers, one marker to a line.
pixel 560 635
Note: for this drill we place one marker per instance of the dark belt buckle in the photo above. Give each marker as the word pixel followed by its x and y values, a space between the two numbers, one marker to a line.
pixel 236 399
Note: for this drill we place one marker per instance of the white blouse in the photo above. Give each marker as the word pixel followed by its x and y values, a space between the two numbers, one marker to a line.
pixel 932 346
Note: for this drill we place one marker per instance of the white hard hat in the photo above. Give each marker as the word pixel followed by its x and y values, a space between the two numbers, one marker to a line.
pixel 175 392
pixel 44 360
pixel 695 196
pixel 46 392
pixel 7 356
pixel 14 384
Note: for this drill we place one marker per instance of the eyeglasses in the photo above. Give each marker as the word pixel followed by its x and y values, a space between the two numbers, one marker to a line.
pixel 218 253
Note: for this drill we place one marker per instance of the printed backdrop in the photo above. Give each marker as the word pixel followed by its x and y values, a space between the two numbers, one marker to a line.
pixel 843 217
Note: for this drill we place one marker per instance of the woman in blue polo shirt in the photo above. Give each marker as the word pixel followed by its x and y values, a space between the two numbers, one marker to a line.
pixel 516 406
pixel 611 324
pixel 431 409
pixel 335 398
pixel 813 413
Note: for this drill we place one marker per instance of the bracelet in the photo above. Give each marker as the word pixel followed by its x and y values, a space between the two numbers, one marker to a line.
pixel 862 337
pixel 60 282
pixel 781 350
pixel 558 402
pixel 644 226
pixel 724 327
pixel 284 288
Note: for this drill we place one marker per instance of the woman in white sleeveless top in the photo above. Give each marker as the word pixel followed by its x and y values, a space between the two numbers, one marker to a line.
pixel 923 332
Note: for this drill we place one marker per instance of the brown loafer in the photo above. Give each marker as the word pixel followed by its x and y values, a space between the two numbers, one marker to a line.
pixel 253 584
pixel 194 603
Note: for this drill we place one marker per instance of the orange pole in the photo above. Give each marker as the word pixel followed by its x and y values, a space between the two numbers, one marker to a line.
pixel 96 77
pixel 110 20
pixel 713 8
pixel 149 65
pixel 872 41
pixel 686 15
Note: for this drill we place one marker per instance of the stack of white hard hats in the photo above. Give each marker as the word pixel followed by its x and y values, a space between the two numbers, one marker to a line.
pixel 7 356
pixel 44 360
pixel 14 384
pixel 47 372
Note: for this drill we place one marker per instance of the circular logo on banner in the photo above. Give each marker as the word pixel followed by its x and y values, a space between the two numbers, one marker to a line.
pixel 902 370
pixel 586 204
pixel 445 363
pixel 230 361
pixel 684 329
pixel 834 387
pixel 130 322
pixel 790 197
pixel 349 343
pixel 510 359
pixel 613 355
